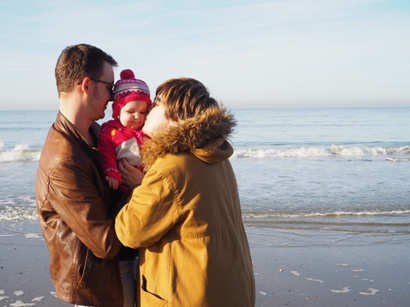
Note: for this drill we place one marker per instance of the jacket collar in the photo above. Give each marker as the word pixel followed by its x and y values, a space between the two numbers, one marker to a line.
pixel 64 125
pixel 204 136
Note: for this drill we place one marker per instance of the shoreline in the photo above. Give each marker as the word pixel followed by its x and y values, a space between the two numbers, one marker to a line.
pixel 292 268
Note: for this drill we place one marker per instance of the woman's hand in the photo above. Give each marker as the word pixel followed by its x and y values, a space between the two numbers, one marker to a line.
pixel 131 176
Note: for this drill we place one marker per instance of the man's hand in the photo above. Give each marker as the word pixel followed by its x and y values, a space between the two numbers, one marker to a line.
pixel 131 176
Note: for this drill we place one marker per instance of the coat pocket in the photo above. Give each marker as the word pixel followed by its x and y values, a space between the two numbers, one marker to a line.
pixel 150 298
pixel 84 268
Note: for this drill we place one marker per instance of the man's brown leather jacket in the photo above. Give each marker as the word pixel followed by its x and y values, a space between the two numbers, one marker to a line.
pixel 73 207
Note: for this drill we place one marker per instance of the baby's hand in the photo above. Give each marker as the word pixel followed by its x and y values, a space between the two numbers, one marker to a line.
pixel 112 182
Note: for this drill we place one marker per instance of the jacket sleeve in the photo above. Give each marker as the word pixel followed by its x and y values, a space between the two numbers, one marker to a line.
pixel 151 212
pixel 108 153
pixel 75 197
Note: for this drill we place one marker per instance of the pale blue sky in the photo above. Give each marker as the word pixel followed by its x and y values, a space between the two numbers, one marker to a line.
pixel 277 53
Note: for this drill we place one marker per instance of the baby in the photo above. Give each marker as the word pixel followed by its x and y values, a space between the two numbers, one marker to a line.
pixel 122 137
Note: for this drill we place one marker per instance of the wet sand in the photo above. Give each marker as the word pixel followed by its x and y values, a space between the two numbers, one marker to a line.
pixel 318 268
pixel 292 268
pixel 24 271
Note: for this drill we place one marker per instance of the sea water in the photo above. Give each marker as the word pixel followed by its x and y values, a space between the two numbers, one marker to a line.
pixel 299 169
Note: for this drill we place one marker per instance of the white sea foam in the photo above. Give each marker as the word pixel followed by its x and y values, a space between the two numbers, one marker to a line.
pixel 323 214
pixel 316 280
pixel 18 293
pixel 397 159
pixel 32 236
pixel 358 270
pixel 20 153
pixel 3 297
pixel 13 212
pixel 21 147
pixel 21 304
pixel 372 292
pixel 345 290
pixel 332 151
pixel 296 273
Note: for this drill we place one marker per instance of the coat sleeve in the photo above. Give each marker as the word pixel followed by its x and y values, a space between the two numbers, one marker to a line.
pixel 77 200
pixel 151 212
pixel 108 154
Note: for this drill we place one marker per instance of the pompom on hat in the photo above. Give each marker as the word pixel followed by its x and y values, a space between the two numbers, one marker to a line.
pixel 127 89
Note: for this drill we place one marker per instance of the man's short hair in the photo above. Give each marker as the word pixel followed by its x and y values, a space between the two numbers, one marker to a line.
pixel 184 98
pixel 79 61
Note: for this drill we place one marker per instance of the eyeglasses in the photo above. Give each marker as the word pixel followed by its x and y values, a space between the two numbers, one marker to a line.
pixel 102 81
pixel 110 89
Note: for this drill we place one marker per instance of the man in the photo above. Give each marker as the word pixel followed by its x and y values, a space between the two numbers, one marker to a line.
pixel 72 196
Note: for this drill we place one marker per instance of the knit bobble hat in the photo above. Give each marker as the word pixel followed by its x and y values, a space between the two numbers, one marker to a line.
pixel 129 89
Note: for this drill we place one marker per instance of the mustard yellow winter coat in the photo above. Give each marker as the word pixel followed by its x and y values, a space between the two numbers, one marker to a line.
pixel 185 218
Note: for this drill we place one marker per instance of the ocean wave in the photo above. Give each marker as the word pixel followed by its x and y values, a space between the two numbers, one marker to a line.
pixel 21 153
pixel 334 214
pixel 18 213
pixel 383 222
pixel 397 217
pixel 332 151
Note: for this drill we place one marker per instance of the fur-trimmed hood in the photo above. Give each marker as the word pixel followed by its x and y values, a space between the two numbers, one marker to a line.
pixel 205 136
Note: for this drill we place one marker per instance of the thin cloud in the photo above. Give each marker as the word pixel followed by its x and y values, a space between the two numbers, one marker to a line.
pixel 273 53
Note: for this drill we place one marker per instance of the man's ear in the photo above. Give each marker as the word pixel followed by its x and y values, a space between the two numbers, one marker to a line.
pixel 85 85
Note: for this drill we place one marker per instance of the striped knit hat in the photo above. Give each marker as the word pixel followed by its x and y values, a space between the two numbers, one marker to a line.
pixel 129 89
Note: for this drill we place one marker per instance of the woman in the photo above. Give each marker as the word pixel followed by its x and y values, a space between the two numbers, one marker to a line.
pixel 185 217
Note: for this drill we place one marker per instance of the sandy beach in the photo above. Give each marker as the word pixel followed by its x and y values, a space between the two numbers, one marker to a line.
pixel 317 268
pixel 292 268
